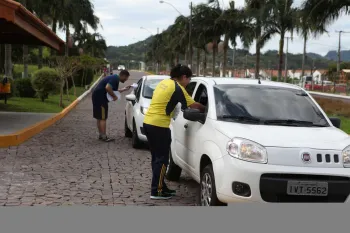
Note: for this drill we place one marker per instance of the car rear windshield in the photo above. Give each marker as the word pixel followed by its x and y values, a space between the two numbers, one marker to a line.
pixel 265 104
pixel 149 86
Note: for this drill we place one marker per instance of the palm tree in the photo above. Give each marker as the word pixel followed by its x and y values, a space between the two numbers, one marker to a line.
pixel 234 23
pixel 179 39
pixel 284 20
pixel 324 12
pixel 261 21
pixel 76 13
pixel 203 18
pixel 308 28
pixel 92 43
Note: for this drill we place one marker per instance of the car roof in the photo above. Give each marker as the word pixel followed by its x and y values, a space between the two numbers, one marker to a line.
pixel 156 76
pixel 243 81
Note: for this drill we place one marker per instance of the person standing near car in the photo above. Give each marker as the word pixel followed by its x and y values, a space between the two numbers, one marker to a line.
pixel 108 85
pixel 166 96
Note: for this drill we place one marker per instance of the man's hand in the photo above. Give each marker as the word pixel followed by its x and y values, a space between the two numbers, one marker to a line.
pixel 125 89
pixel 115 98
pixel 198 106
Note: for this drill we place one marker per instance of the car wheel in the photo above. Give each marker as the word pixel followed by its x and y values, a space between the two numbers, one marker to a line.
pixel 208 189
pixel 173 171
pixel 127 131
pixel 136 143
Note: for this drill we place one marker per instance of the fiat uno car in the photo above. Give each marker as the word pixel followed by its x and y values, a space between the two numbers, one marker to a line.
pixel 136 107
pixel 259 142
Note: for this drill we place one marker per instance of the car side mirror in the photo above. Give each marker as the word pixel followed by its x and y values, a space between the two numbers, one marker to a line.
pixel 194 115
pixel 130 97
pixel 335 121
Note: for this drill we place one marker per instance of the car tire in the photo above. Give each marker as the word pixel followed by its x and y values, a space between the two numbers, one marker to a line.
pixel 207 193
pixel 173 171
pixel 136 142
pixel 127 131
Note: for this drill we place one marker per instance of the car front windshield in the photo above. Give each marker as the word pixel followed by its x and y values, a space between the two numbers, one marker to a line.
pixel 149 86
pixel 266 105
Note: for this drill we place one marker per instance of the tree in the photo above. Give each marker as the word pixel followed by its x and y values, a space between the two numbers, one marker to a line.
pixel 259 14
pixel 92 43
pixel 75 13
pixel 284 20
pixel 203 18
pixel 307 28
pixel 65 67
pixel 234 24
pixel 324 12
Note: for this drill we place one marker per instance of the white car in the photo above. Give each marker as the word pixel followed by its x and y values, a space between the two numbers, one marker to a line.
pixel 121 67
pixel 267 142
pixel 136 107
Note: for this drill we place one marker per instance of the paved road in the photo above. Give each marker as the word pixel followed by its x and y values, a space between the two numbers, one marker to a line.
pixel 67 165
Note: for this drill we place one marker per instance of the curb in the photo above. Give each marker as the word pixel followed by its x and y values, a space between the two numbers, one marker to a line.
pixel 23 135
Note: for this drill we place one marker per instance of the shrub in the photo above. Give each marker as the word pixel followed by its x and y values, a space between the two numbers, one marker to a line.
pixel 45 81
pixel 25 88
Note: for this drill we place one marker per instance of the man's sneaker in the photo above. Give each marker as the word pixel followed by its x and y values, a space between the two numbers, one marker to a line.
pixel 170 192
pixel 161 196
pixel 106 139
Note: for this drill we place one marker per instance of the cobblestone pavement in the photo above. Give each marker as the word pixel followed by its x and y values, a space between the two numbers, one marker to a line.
pixel 66 165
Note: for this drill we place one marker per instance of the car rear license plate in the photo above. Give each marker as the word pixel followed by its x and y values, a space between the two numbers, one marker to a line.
pixel 307 188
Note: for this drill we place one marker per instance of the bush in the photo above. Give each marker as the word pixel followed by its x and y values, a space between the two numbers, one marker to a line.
pixel 45 81
pixel 24 88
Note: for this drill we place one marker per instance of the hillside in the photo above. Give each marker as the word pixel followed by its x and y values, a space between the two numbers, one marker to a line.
pixel 333 55
pixel 269 60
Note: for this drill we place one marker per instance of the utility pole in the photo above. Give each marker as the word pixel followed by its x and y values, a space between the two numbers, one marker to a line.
pixel 286 65
pixel 339 49
pixel 190 38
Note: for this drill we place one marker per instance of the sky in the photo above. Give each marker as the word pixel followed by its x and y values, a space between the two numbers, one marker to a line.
pixel 122 19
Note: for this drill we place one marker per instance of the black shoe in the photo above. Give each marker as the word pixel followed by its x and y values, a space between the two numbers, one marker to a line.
pixel 170 191
pixel 161 196
pixel 106 139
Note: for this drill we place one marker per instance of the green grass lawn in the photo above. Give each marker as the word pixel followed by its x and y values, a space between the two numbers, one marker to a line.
pixel 17 104
pixel 19 68
pixel 345 124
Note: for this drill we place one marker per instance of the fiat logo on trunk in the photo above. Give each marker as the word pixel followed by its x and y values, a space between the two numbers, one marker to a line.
pixel 306 157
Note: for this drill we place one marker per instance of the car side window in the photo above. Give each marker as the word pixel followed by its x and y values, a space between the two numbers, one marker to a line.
pixel 190 88
pixel 202 95
pixel 138 89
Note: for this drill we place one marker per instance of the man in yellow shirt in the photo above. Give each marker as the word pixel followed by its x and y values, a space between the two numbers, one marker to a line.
pixel 166 96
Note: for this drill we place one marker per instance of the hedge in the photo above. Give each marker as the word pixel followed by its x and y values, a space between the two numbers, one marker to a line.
pixel 24 88
pixel 45 81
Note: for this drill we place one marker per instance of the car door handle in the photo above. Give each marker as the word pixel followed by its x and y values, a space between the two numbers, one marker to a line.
pixel 186 126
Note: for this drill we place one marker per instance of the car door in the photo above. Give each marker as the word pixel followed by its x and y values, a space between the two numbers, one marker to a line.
pixel 131 105
pixel 179 131
pixel 193 129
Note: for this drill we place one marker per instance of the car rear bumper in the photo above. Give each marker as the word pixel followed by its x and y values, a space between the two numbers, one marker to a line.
pixel 240 181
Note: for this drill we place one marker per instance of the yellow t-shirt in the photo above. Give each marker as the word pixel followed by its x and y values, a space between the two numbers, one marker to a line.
pixel 166 96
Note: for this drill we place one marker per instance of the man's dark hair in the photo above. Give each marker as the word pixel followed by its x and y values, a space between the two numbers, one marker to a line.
pixel 125 73
pixel 181 70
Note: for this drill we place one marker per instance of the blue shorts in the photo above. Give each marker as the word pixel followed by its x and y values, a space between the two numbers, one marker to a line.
pixel 100 108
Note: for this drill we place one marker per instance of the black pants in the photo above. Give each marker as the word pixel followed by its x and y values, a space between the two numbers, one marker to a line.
pixel 159 140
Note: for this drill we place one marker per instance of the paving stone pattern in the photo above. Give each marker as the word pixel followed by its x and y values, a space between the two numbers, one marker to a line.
pixel 66 165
